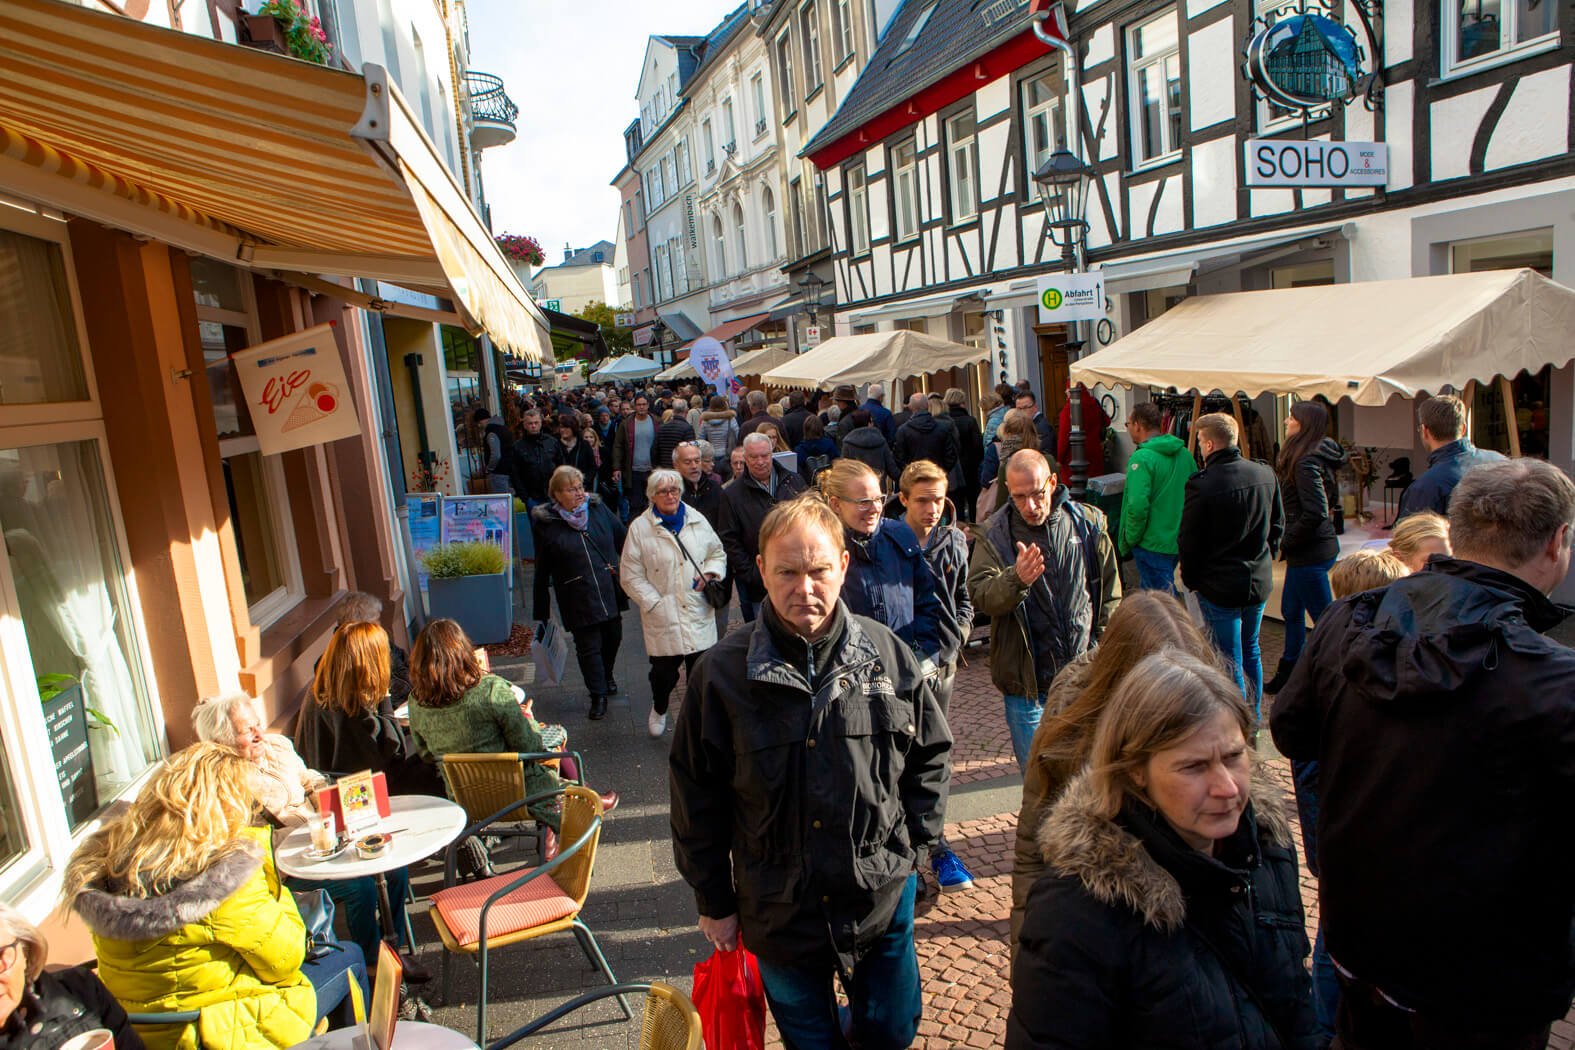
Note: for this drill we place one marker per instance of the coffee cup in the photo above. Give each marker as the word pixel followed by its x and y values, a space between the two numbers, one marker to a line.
pixel 97 1039
pixel 324 833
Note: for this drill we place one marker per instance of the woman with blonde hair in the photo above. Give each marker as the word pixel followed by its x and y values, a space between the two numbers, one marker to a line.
pixel 187 912
pixel 1171 915
pixel 1145 622
pixel 1016 432
pixel 774 432
pixel 1418 537
pixel 887 577
pixel 44 1010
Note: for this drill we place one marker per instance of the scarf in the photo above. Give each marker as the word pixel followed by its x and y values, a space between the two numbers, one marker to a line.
pixel 579 517
pixel 673 523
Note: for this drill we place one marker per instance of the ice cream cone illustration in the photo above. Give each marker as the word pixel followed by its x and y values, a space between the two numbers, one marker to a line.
pixel 318 402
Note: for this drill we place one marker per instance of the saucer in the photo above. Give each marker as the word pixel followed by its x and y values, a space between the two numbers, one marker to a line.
pixel 312 854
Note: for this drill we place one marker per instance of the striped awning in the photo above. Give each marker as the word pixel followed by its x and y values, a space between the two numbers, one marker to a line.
pixel 255 159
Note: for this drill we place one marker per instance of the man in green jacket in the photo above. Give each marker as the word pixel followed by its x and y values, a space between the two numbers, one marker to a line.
pixel 1157 477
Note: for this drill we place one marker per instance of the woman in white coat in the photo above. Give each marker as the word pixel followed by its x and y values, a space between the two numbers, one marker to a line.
pixel 670 553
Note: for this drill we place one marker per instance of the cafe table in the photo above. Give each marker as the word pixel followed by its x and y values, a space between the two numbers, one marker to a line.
pixel 408 1035
pixel 417 827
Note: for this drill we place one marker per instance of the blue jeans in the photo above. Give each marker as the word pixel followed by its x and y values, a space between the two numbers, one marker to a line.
pixel 1235 633
pixel 331 976
pixel 1156 572
pixel 358 898
pixel 746 608
pixel 1326 988
pixel 1022 719
pixel 1306 594
pixel 884 1002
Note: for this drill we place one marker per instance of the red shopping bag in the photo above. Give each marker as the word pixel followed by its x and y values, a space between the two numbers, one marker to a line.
pixel 731 1000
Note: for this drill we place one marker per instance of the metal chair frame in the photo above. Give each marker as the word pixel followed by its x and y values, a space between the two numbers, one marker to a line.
pixel 657 992
pixel 518 828
pixel 481 948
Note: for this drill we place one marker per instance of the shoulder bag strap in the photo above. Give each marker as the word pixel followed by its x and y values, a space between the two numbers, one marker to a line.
pixel 691 557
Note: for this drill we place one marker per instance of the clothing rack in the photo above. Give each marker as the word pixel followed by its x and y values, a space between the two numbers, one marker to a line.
pixel 1195 405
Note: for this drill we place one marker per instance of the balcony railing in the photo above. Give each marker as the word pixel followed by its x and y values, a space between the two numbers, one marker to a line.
pixel 492 111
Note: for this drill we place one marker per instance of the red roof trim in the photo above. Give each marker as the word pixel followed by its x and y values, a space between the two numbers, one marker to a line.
pixel 1013 54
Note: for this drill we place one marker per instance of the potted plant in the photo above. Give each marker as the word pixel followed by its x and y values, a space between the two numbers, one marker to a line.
pixel 469 583
pixel 70 719
pixel 286 27
pixel 520 248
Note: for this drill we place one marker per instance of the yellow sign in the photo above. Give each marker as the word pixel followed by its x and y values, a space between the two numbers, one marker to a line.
pixel 1052 299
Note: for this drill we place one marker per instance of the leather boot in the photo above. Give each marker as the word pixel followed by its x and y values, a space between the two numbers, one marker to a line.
pixel 609 802
pixel 1282 674
pixel 598 708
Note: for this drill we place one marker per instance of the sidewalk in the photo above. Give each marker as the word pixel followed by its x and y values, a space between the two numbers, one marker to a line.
pixel 643 914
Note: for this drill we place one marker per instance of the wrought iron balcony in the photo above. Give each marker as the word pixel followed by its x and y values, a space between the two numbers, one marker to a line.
pixel 492 112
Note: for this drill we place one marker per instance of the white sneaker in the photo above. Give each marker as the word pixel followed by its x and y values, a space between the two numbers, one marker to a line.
pixel 655 724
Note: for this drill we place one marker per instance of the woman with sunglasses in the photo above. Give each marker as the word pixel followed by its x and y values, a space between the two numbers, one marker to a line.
pixel 888 579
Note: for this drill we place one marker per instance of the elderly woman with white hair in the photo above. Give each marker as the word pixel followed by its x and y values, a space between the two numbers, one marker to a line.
pixel 43 1011
pixel 671 553
pixel 285 787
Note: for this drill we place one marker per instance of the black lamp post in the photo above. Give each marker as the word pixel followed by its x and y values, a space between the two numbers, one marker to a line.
pixel 812 285
pixel 1063 182
pixel 658 340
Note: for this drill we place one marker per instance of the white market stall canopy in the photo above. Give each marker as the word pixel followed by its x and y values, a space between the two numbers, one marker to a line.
pixel 682 370
pixel 755 362
pixel 629 366
pixel 874 358
pixel 1367 341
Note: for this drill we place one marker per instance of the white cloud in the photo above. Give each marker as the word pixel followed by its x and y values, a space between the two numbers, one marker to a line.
pixel 573 66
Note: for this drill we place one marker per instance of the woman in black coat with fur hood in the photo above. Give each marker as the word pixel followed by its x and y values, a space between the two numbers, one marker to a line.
pixel 1172 916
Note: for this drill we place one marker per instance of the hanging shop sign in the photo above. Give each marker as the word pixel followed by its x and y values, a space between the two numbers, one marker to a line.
pixel 1305 61
pixel 296 391
pixel 1071 297
pixel 1293 162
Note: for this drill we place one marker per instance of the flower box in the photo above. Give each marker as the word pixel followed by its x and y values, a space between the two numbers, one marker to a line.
pixel 264 32
pixel 482 605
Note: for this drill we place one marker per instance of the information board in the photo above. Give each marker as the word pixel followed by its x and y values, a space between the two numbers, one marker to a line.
pixel 425 528
pixel 481 519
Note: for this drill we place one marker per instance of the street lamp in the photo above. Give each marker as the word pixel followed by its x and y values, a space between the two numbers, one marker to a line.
pixel 1063 183
pixel 811 284
pixel 658 340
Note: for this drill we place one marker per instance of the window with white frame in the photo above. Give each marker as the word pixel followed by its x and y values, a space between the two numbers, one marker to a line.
pixel 757 92
pixel 962 161
pixel 785 72
pixel 710 145
pixel 729 134
pixel 653 185
pixel 741 234
pixel 842 28
pixel 905 190
pixel 1482 33
pixel 669 182
pixel 681 163
pixel 259 499
pixel 1154 89
pixel 634 287
pixel 719 245
pixel 858 211
pixel 664 274
pixel 768 207
pixel 1272 115
pixel 809 19
pixel 680 267
pixel 1044 125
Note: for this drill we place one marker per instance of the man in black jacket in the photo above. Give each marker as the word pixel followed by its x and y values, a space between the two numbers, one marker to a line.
pixel 970 448
pixel 670 433
pixel 1231 524
pixel 1443 725
pixel 745 502
pixel 922 436
pixel 533 460
pixel 808 770
pixel 703 492
pixel 793 419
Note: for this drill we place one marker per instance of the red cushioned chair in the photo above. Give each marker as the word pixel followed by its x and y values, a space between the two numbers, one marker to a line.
pixel 478 917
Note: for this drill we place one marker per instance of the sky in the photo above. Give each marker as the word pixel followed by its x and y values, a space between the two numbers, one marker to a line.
pixel 573 67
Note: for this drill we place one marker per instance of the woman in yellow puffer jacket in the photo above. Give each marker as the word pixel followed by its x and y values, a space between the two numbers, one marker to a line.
pixel 188 913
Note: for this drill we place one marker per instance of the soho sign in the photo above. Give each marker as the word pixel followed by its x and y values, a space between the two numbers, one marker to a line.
pixel 1286 162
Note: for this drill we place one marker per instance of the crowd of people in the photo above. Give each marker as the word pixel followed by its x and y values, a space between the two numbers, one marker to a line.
pixel 1156 874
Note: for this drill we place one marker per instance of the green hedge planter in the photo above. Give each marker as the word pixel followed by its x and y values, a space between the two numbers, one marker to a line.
pixel 482 605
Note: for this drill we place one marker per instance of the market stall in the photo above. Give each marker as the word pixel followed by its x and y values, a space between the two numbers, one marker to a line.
pixel 878 357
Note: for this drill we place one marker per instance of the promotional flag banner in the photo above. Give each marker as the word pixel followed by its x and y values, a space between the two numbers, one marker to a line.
pixel 710 362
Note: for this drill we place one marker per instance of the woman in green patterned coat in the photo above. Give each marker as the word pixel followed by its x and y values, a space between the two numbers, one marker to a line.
pixel 458 708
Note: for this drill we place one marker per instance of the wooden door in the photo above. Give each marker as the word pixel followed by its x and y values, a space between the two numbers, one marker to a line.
pixel 1054 367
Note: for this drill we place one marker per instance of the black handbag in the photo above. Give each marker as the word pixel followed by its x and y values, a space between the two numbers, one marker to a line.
pixel 715 591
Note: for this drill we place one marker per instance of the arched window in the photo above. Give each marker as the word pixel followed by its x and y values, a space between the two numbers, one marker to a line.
pixel 743 245
pixel 768 203
pixel 721 245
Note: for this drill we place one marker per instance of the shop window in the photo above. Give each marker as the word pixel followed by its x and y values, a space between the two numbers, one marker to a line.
pixel 1154 81
pixel 63 560
pixel 1530 396
pixel 1482 33
pixel 1150 304
pixel 259 500
pixel 40 356
pixel 1533 249
pixel 1307 275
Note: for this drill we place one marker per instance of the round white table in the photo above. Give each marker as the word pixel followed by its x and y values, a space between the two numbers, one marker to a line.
pixel 417 825
pixel 408 1035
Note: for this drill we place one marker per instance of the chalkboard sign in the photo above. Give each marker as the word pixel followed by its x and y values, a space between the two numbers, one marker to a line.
pixel 65 715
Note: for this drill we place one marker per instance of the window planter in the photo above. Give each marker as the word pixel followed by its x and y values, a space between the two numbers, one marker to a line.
pixel 482 605
pixel 264 32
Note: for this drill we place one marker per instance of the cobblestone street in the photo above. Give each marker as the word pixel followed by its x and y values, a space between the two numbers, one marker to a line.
pixel 643 914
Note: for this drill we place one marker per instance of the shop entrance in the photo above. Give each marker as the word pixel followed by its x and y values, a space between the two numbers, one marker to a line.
pixel 1055 368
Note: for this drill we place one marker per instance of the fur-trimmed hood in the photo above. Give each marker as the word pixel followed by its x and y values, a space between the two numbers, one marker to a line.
pixel 124 918
pixel 1117 869
pixel 717 416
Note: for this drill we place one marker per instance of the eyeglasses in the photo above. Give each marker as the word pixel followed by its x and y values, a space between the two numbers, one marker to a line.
pixel 1032 496
pixel 863 504
pixel 9 954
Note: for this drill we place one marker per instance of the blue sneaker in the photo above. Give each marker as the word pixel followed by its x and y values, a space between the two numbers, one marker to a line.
pixel 950 872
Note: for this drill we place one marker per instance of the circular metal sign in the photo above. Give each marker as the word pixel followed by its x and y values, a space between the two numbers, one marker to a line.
pixel 1305 61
